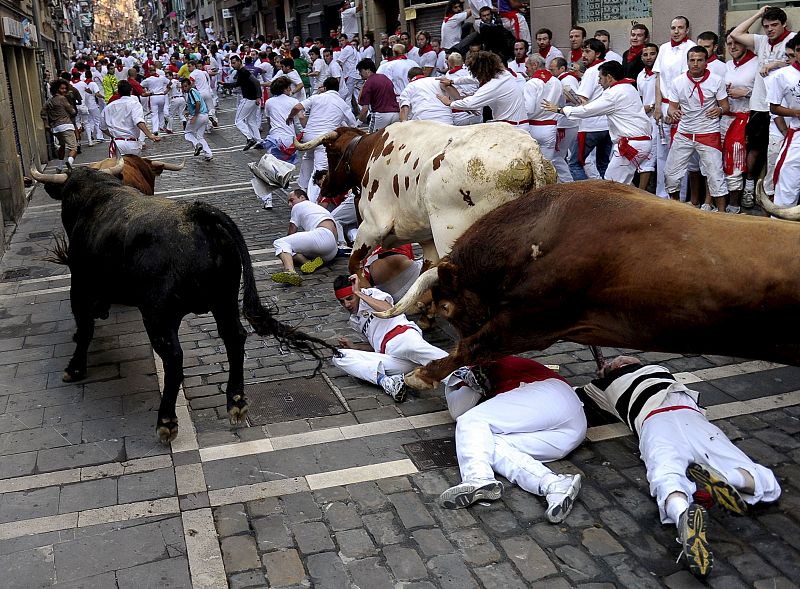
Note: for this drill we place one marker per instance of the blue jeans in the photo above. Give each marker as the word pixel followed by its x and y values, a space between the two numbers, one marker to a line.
pixel 599 140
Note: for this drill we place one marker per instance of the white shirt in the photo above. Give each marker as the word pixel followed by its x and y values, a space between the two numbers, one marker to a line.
pixel 265 70
pixel 307 215
pixel 476 6
pixel 373 328
pixel 552 52
pixel 427 59
pixel 451 29
pixel 201 81
pixel 717 67
pixel 784 88
pixel 277 109
pixel 349 23
pixel 568 83
pixel 81 88
pixel 366 53
pixel 693 115
pixel 330 70
pixel 647 88
pixel 421 97
pixel 397 71
pixel 622 107
pixel 326 111
pixel 613 56
pixel 91 99
pixel 441 64
pixel 347 60
pixel 591 89
pixel 670 63
pixel 765 54
pixel 121 117
pixel 536 91
pixel 742 76
pixel 156 84
pixel 503 94
pixel 518 68
pixel 294 77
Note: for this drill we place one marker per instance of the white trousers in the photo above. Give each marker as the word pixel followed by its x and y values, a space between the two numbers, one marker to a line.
pixel 127 147
pixel 773 150
pixel 317 242
pixel 208 98
pixel 404 353
pixel 381 120
pixel 663 145
pixel 568 142
pixel 94 123
pixel 513 433
pixel 621 169
pixel 248 119
pixel 346 87
pixel 195 131
pixel 85 123
pixel 788 170
pixel 649 165
pixel 175 108
pixel 157 104
pixel 310 162
pixel 672 440
pixel 710 165
pixel 345 213
pixel 545 136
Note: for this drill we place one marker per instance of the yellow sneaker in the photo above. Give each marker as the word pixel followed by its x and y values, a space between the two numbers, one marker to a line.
pixel 311 266
pixel 292 278
pixel 692 537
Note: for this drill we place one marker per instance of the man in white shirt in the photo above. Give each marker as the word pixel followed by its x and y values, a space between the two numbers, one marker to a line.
pixel 210 33
pixel 394 346
pixel 542 86
pixel 349 13
pixel 783 95
pixel 770 49
pixel 347 58
pixel 325 112
pixel 567 138
pixel 646 85
pixel 545 48
pixel 156 84
pixel 454 18
pixel 202 81
pixel 122 120
pixel 423 53
pixel 330 69
pixel 311 240
pixel 696 100
pixel 605 38
pixel 396 68
pixel 287 69
pixel 177 103
pixel 460 77
pixel 518 64
pixel 628 125
pixel 419 102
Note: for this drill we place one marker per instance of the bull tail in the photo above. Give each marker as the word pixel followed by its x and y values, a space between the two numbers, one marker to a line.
pixel 260 317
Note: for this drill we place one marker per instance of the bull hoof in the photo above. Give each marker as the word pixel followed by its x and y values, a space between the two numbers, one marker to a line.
pixel 167 430
pixel 73 374
pixel 416 381
pixel 237 409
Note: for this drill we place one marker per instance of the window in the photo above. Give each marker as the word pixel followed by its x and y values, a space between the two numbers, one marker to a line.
pixel 599 10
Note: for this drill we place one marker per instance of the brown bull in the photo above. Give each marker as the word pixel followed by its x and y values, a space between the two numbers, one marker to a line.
pixel 138 172
pixel 605 264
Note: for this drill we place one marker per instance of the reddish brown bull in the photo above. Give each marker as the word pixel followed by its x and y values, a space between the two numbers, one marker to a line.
pixel 604 264
pixel 134 171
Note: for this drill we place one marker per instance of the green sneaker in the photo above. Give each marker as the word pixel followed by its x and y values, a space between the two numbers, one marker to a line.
pixel 311 266
pixel 292 278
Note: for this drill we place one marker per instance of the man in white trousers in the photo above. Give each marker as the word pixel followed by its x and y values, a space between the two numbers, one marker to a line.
pixel 122 120
pixel 201 80
pixel 247 113
pixel 156 85
pixel 683 453
pixel 541 86
pixel 394 346
pixel 646 85
pixel 198 119
pixel 177 103
pixel 529 415
pixel 783 95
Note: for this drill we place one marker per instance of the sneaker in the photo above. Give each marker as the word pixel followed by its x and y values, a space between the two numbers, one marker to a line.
pixel 208 158
pixel 708 208
pixel 213 121
pixel 395 387
pixel 692 537
pixel 560 497
pixel 100 140
pixel 267 205
pixel 748 198
pixel 311 266
pixel 250 143
pixel 169 131
pixel 90 144
pixel 466 494
pixel 715 484
pixel 197 149
pixel 184 125
pixel 285 277
pixel 732 210
pixel 475 378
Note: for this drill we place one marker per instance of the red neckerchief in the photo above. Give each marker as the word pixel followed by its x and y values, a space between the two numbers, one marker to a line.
pixel 565 74
pixel 745 58
pixel 697 85
pixel 120 68
pixel 425 49
pixel 309 44
pixel 419 77
pixel 544 52
pixel 543 75
pixel 396 57
pixel 512 16
pixel 575 55
pixel 681 42
pixel 623 81
pixel 454 70
pixel 634 51
pixel 648 71
pixel 594 63
pixel 519 61
pixel 450 15
pixel 780 38
pixel 712 57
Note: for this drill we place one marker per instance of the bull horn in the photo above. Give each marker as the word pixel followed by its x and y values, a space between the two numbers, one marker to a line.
pixel 39 176
pixel 790 214
pixel 425 282
pixel 117 169
pixel 315 142
pixel 170 167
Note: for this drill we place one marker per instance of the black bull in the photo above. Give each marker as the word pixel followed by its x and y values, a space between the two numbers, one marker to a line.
pixel 167 259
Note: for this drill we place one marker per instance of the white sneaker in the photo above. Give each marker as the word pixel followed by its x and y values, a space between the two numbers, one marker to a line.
pixel 748 198
pixel 395 387
pixel 466 494
pixel 561 495
pixel 474 378
pixel 707 207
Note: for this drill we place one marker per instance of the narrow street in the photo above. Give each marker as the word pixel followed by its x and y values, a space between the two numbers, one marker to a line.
pixel 331 484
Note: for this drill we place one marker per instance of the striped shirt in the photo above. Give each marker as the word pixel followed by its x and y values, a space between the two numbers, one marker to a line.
pixel 633 391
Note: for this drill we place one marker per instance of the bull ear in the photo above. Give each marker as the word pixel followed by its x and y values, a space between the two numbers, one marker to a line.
pixel 448 272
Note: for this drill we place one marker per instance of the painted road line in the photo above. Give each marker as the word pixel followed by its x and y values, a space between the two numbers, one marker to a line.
pixel 361 474
pixel 196 188
pixel 202 550
pixel 128 511
pixel 39 525
pixel 34 293
pixel 244 493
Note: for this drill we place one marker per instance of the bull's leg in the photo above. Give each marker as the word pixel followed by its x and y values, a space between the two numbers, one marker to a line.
pixel 163 334
pixel 366 239
pixel 233 335
pixel 83 311
pixel 430 256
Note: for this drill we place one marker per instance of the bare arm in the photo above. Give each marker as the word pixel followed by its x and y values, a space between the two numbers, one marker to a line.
pixel 362 116
pixel 783 111
pixel 741 33
pixel 376 304
pixel 147 132
pixel 292 229
pixel 294 112
pixel 404 112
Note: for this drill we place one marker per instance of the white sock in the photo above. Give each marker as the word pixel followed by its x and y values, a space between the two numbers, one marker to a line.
pixel 546 481
pixel 676 506
pixel 749 184
pixel 70 160
pixel 736 479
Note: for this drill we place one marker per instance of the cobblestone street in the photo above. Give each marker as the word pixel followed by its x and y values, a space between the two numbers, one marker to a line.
pixel 89 497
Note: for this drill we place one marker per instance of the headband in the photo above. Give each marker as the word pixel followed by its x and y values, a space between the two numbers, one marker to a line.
pixel 343 292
